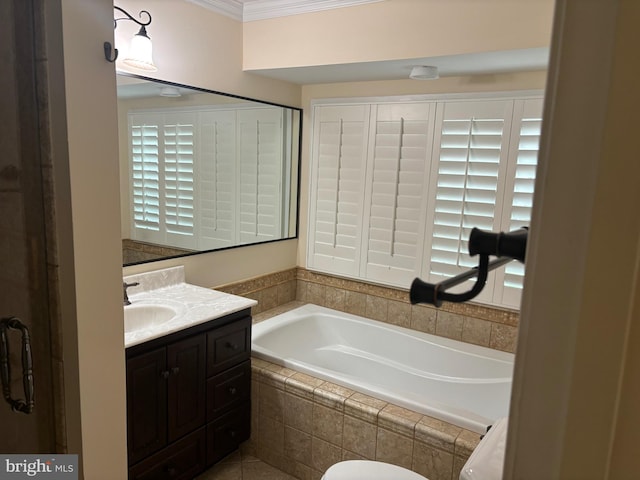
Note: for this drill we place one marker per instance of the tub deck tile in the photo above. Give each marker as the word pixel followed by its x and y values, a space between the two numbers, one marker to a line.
pixel 302 385
pixel 399 420
pixel 466 442
pixel 437 433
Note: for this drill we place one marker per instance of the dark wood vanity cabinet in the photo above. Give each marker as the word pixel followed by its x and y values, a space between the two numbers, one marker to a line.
pixel 188 398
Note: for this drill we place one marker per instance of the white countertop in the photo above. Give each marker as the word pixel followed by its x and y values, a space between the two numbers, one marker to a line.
pixel 194 305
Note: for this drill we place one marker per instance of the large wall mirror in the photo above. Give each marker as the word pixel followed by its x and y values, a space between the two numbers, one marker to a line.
pixel 203 170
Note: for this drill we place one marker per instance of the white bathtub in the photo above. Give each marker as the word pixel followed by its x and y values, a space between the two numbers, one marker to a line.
pixel 456 382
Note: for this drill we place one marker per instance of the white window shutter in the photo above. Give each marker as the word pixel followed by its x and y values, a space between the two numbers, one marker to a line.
pixel 260 160
pixel 179 132
pixel 215 174
pixel 400 143
pixel 338 167
pixel 467 181
pixel 144 154
pixel 523 160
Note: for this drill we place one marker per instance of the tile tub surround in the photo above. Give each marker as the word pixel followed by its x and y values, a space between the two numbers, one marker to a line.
pixel 468 322
pixel 303 425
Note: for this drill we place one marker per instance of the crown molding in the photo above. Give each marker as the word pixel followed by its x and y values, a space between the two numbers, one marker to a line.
pixel 228 8
pixel 263 9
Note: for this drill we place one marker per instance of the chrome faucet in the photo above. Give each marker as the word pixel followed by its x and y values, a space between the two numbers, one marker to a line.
pixel 126 285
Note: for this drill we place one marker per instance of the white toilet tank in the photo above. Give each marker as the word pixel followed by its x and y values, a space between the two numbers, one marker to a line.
pixel 487 460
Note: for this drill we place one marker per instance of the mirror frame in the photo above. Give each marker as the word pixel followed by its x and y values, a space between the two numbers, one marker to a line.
pixel 297 176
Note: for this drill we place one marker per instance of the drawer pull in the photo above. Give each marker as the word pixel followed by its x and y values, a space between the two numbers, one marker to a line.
pixel 175 370
pixel 165 374
pixel 232 346
pixel 233 390
pixel 232 433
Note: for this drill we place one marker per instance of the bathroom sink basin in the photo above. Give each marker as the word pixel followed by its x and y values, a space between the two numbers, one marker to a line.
pixel 140 317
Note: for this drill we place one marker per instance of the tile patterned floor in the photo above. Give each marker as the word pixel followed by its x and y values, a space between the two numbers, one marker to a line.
pixel 240 466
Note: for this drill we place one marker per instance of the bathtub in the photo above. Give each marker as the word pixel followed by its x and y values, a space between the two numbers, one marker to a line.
pixel 462 384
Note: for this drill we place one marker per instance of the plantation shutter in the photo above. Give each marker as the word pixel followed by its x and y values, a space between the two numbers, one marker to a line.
pixel 216 179
pixel 145 176
pixel 179 131
pixel 519 189
pixel 337 190
pixel 468 168
pixel 399 150
pixel 260 150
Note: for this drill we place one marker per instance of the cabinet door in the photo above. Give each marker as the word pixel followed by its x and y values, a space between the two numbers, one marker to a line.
pixel 186 366
pixel 146 404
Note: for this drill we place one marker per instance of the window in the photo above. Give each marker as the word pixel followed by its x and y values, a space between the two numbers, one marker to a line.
pixel 397 187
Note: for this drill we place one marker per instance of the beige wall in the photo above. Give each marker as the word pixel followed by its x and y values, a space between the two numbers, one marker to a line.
pixel 574 406
pixel 397 29
pixel 445 85
pixel 86 172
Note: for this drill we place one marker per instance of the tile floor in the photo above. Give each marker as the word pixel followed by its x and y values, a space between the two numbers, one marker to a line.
pixel 241 466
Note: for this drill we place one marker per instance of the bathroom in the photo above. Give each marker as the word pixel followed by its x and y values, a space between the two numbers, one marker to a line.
pixel 89 281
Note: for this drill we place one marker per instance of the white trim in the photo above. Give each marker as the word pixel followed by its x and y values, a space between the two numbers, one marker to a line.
pixel 263 9
pixel 228 8
pixel 430 97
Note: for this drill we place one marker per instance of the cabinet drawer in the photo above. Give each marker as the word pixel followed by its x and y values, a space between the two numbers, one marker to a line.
pixel 225 434
pixel 227 390
pixel 183 460
pixel 229 345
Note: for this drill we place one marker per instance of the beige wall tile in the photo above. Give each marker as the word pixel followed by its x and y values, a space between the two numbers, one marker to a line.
pixel 504 337
pixel 328 424
pixel 271 435
pixel 301 291
pixel 399 313
pixel 271 403
pixel 286 292
pixel 316 293
pixel 399 420
pixel 376 308
pixel 476 331
pixel 298 413
pixel 355 303
pixel 360 437
pixel 335 298
pixel 324 454
pixel 394 448
pixel 269 298
pixel 297 445
pixel 458 464
pixel 449 325
pixel 437 433
pixel 423 318
pixel 432 463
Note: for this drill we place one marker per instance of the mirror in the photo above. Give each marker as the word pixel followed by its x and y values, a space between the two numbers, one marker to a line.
pixel 203 170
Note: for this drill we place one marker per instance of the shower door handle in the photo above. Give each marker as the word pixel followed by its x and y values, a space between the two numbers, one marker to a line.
pixel 26 405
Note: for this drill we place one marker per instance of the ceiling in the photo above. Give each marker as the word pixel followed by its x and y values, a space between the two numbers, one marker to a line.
pixel 485 63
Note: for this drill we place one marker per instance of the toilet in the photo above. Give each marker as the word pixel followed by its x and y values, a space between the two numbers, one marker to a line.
pixel 485 463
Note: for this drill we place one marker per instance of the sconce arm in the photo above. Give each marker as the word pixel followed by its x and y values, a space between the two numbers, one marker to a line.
pixel 129 17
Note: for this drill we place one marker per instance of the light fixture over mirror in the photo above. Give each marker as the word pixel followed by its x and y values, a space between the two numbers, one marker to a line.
pixel 204 170
pixel 140 54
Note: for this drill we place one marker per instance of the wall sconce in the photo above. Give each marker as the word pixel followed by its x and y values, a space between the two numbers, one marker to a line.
pixel 139 55
pixel 424 72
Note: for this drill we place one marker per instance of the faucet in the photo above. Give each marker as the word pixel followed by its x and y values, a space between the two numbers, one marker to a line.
pixel 126 285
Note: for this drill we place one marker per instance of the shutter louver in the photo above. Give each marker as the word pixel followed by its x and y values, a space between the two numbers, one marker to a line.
pixel 527 143
pixel 261 163
pixel 394 216
pixel 178 180
pixel 339 158
pixel 216 179
pixel 145 175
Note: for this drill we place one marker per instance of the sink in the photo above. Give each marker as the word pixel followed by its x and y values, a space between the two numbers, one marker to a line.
pixel 142 316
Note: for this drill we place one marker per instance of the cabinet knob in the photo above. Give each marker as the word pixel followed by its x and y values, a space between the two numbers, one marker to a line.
pixel 165 374
pixel 233 390
pixel 232 433
pixel 175 370
pixel 232 346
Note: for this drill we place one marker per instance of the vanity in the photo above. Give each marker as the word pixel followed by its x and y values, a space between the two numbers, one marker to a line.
pixel 188 375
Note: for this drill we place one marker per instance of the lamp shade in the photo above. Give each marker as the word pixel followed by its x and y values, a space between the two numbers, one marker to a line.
pixel 140 52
